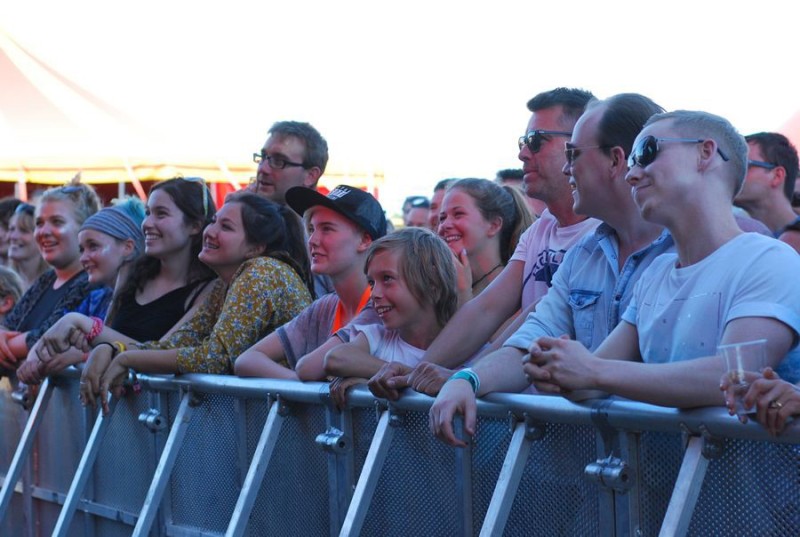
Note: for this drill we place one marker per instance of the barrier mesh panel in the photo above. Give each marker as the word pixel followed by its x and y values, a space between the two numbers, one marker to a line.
pixel 365 421
pixel 61 438
pixel 12 423
pixel 207 476
pixel 753 489
pixel 659 461
pixel 416 491
pixel 489 447
pixel 127 459
pixel 554 498
pixel 293 498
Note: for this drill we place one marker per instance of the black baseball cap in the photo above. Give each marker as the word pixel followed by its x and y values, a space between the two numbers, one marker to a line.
pixel 352 203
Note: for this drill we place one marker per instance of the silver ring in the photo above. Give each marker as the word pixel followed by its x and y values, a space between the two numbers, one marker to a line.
pixel 777 405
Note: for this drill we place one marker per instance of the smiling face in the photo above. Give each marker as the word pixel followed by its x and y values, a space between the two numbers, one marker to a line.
pixel 21 244
pixel 462 226
pixel 393 302
pixel 225 245
pixel 56 234
pixel 166 232
pixel 102 256
pixel 336 244
pixel 589 167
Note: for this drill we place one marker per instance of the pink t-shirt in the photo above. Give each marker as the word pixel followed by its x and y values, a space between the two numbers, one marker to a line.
pixel 542 247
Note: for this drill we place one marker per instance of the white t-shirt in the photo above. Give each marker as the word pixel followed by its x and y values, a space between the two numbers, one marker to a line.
pixel 387 345
pixel 681 313
pixel 542 247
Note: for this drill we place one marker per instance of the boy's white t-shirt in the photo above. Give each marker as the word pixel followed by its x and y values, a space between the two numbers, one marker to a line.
pixel 387 344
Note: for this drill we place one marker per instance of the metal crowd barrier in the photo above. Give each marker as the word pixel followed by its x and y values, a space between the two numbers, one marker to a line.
pixel 207 455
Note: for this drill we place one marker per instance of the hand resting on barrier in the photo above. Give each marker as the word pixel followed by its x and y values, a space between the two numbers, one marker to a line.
pixel 455 397
pixel 96 365
pixel 339 387
pixel 389 380
pixel 776 401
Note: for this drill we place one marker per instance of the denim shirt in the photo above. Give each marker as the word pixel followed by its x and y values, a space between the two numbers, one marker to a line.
pixel 589 292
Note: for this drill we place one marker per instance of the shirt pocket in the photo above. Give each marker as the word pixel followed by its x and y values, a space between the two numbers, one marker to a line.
pixel 583 304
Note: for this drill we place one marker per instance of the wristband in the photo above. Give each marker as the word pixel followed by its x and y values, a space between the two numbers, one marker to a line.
pixel 113 348
pixel 470 376
pixel 119 347
pixel 97 327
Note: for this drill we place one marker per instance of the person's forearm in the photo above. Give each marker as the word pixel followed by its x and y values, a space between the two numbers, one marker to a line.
pixel 151 361
pixel 256 364
pixel 350 361
pixel 686 384
pixel 501 371
pixel 465 333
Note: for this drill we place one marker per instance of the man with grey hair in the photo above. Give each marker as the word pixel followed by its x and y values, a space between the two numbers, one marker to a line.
pixel 722 286
pixel 295 154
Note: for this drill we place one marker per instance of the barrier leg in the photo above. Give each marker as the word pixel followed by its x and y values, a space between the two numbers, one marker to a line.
pixel 686 491
pixel 165 464
pixel 368 480
pixel 508 481
pixel 24 447
pixel 84 470
pixel 255 474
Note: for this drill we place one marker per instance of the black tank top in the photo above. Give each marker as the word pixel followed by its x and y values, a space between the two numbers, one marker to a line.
pixel 149 322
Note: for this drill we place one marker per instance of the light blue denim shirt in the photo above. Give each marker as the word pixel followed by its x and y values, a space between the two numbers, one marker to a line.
pixel 589 291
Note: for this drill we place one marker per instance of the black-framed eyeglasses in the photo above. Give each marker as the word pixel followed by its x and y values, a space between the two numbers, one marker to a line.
pixel 275 162
pixel 533 140
pixel 203 188
pixel 761 164
pixel 646 149
pixel 572 152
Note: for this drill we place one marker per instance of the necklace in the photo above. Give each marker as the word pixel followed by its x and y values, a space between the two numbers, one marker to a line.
pixel 479 280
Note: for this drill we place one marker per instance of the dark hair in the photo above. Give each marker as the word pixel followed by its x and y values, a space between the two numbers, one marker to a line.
pixel 572 101
pixel 426 266
pixel 316 148
pixel 777 149
pixel 623 119
pixel 198 209
pixel 515 174
pixel 278 229
pixel 505 202
pixel 444 183
pixel 7 207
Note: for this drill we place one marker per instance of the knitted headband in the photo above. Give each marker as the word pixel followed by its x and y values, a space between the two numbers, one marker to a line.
pixel 116 223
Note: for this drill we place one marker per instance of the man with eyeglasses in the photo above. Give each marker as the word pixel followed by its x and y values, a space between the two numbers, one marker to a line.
pixel 295 154
pixel 529 272
pixel 721 286
pixel 767 192
pixel 595 282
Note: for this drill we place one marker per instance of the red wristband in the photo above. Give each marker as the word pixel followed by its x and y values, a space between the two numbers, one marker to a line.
pixel 97 327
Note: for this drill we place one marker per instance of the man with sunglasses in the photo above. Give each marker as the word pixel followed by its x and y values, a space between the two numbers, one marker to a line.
pixel 721 286
pixel 595 282
pixel 541 248
pixel 767 192
pixel 295 154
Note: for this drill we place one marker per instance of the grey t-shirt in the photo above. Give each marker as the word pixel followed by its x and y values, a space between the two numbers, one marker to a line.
pixel 313 327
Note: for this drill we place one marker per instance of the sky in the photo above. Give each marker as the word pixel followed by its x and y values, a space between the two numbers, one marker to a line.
pixel 417 90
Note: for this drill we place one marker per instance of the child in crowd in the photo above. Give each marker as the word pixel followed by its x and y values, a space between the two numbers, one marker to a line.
pixel 413 280
pixel 10 291
pixel 23 254
pixel 340 228
pixel 110 240
pixel 251 246
pixel 481 222
pixel 59 215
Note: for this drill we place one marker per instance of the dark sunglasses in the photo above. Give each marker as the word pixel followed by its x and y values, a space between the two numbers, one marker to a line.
pixel 533 140
pixel 761 164
pixel 646 149
pixel 572 152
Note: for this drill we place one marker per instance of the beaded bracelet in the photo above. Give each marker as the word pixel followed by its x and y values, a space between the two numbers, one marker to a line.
pixel 470 376
pixel 97 327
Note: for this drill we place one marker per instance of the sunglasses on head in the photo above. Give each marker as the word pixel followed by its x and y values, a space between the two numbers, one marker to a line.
pixel 200 181
pixel 533 140
pixel 646 149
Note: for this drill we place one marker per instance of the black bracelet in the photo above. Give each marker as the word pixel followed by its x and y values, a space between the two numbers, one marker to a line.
pixel 113 348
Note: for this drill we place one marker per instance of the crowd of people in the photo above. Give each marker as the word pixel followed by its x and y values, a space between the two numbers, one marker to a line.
pixel 631 243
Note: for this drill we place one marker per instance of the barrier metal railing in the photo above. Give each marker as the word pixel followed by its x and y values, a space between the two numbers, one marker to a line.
pixel 213 455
